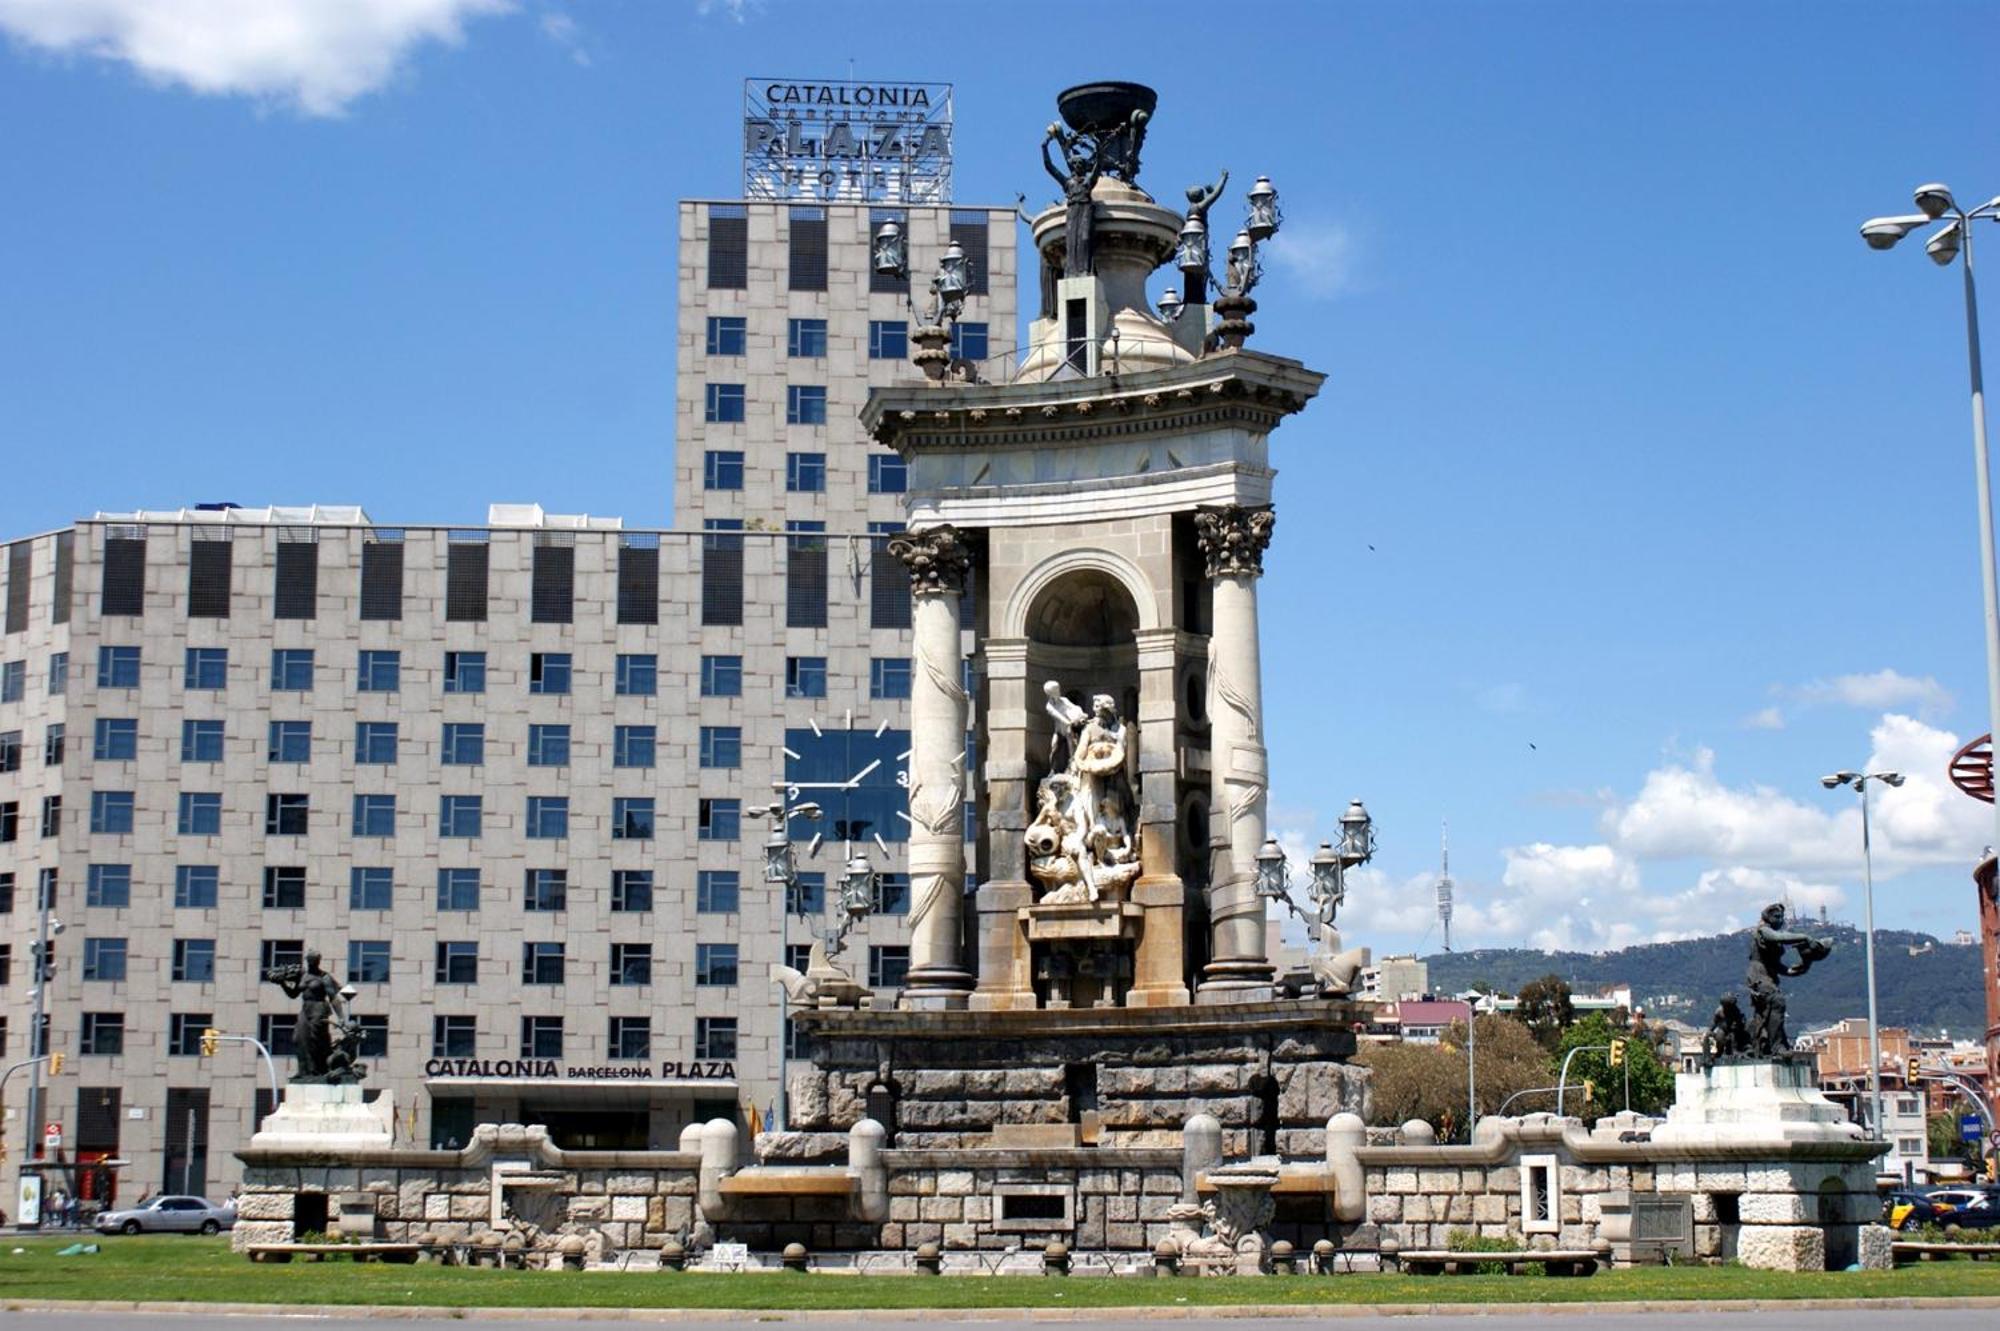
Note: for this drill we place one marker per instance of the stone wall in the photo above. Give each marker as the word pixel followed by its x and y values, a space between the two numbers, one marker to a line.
pixel 1107 1199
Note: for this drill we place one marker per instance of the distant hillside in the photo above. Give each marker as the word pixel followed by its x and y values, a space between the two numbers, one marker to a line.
pixel 1935 989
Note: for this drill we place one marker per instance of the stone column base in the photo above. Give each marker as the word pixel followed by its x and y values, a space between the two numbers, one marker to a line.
pixel 934 988
pixel 1781 1247
pixel 1249 981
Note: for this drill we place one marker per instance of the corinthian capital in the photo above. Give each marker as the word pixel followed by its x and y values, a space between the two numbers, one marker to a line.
pixel 936 558
pixel 1233 538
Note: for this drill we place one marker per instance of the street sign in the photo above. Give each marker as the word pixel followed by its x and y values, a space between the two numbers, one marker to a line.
pixel 51 1136
pixel 1971 1128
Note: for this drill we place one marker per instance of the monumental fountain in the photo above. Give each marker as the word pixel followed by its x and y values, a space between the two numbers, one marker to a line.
pixel 1094 1054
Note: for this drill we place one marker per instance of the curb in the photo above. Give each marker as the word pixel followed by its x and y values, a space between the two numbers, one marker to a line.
pixel 1149 1312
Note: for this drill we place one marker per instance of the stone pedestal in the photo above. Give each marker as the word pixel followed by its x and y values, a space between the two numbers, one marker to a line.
pixel 328 1120
pixel 1752 1102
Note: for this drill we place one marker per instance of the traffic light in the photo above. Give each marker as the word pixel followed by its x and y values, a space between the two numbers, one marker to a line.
pixel 1914 1069
pixel 1589 1089
pixel 1617 1053
pixel 211 1040
pixel 56 1063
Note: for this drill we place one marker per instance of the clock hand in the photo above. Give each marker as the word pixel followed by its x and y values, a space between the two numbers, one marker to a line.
pixel 862 775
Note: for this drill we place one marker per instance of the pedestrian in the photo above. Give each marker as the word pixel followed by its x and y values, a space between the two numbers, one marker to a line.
pixel 56 1200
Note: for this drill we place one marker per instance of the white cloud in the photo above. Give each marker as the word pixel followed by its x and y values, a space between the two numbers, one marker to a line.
pixel 1880 691
pixel 1318 256
pixel 1766 718
pixel 735 10
pixel 561 29
pixel 1684 811
pixel 316 55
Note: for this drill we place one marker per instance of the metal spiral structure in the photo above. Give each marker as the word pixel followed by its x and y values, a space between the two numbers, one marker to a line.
pixel 1972 769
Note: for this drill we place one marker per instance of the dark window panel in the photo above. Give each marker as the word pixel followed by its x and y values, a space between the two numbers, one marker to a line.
pixel 805 580
pixel 465 581
pixel 208 578
pixel 20 568
pixel 65 576
pixel 382 579
pixel 971 237
pixel 722 577
pixel 124 589
pixel 639 580
pixel 295 594
pixel 728 249
pixel 808 249
pixel 553 599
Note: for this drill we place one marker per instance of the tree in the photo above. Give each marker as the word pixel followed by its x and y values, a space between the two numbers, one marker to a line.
pixel 1429 1081
pixel 1546 1010
pixel 1652 1084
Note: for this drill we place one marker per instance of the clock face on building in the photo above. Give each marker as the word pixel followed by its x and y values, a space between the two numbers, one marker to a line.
pixel 854 770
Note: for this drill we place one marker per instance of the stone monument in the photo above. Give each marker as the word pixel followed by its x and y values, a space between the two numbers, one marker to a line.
pixel 324 1107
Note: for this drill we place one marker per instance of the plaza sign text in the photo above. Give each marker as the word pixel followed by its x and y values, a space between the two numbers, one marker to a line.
pixel 548 1069
pixel 847 142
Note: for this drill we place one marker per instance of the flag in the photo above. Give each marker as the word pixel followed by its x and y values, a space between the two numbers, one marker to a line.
pixel 756 1120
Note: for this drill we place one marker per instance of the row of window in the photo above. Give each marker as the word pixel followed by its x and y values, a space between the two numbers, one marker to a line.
pixel 103 1034
pixel 293 669
pixel 806 240
pixel 805 339
pixel 461 743
pixel 115 813
pixel 373 888
pixel 805 473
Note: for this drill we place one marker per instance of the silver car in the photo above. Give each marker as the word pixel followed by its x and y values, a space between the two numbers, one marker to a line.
pixel 169 1215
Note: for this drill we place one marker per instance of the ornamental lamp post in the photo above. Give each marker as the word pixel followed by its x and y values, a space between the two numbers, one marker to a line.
pixel 892 255
pixel 1171 305
pixel 857 887
pixel 1954 241
pixel 1860 780
pixel 1191 247
pixel 1272 874
pixel 1264 215
pixel 1326 874
pixel 1357 836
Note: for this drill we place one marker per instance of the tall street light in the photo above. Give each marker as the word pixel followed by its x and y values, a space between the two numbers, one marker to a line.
pixel 1860 780
pixel 1951 241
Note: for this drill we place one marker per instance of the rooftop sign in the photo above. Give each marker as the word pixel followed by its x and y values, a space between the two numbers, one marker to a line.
pixel 847 142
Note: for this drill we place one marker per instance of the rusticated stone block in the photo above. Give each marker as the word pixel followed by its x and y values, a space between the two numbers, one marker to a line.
pixel 465 1206
pixel 1875 1253
pixel 1781 1247
pixel 628 1208
pixel 955 1183
pixel 631 1184
pixel 1400 1180
pixel 943 1209
pixel 1776 1208
pixel 264 1206
pixel 248 1232
pixel 1489 1209
pixel 1385 1208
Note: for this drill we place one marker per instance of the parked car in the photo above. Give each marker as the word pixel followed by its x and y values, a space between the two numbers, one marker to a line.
pixel 169 1215
pixel 1903 1209
pixel 1968 1208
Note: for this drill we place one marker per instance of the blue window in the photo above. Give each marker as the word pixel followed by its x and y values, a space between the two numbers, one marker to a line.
pixel 104 959
pixel 291 741
pixel 194 960
pixel 292 669
pixel 721 676
pixel 723 403
pixel 805 677
pixel 722 469
pixel 638 675
pixel 200 814
pixel 717 891
pixel 207 667
pixel 117 739
pixel 715 963
pixel 968 341
pixel 284 888
pixel 805 473
pixel 722 746
pixel 368 962
pixel 458 815
pixel 726 335
pixel 547 890
pixel 379 672
pixel 374 741
pixel 111 812
pixel 541 963
pixel 548 672
pixel 889 677
pixel 374 815
pixel 892 894
pixel 632 746
pixel 117 668
pixel 807 896
pixel 195 886
pixel 108 885
pixel 719 820
pixel 548 746
pixel 465 672
pixel 806 338
pixel 887 474
pixel 14 679
pixel 888 339
pixel 464 744
pixel 58 674
pixel 632 818
pixel 201 741
pixel 805 404
pixel 371 889
pixel 458 889
pixel 631 890
pixel 287 815
pixel 548 817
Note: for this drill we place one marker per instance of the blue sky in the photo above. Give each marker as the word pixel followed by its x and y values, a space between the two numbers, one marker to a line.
pixel 1639 494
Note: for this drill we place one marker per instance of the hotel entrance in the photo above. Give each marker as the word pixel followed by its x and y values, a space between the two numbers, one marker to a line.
pixel 575 1128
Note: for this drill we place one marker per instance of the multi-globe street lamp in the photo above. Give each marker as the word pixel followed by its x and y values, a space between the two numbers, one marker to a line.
pixel 1860 780
pixel 1326 886
pixel 1953 240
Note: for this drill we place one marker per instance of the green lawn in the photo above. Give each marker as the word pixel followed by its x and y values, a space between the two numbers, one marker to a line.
pixel 172 1269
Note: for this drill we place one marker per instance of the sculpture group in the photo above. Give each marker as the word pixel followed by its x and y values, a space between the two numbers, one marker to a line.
pixel 1763 1036
pixel 326 1038
pixel 1081 844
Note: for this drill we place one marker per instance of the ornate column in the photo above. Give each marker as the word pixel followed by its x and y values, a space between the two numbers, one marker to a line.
pixel 937 560
pixel 1232 540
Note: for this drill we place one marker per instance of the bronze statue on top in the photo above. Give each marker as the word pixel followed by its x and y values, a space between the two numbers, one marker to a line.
pixel 1768 942
pixel 326 1038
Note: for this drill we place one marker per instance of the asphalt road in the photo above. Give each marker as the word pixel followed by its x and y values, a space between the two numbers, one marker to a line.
pixel 1472 1317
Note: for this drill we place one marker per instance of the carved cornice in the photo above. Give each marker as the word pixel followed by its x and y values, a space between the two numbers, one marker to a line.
pixel 1233 538
pixel 937 559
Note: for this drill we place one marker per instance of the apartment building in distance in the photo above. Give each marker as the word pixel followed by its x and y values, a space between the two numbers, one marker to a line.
pixel 502 777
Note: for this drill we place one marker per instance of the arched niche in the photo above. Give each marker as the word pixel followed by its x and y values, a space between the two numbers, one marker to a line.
pixel 1080 624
